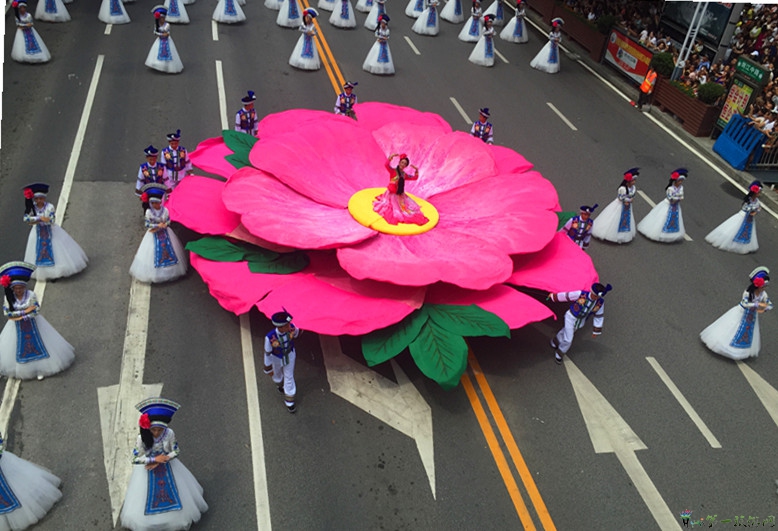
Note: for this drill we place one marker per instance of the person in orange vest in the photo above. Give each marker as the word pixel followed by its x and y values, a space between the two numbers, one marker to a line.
pixel 646 89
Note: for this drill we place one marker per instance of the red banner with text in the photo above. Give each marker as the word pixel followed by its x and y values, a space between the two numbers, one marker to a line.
pixel 628 56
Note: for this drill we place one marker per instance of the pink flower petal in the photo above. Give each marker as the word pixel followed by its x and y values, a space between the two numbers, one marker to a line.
pixel 327 161
pixel 232 284
pixel 276 213
pixel 196 203
pixel 281 123
pixel 374 115
pixel 240 233
pixel 438 255
pixel 508 161
pixel 512 306
pixel 561 266
pixel 209 157
pixel 517 217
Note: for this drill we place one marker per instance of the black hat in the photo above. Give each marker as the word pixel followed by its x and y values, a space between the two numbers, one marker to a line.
pixel 281 318
pixel 589 209
pixel 485 111
pixel 36 189
pixel 601 290
pixel 151 151
pixel 250 97
pixel 174 136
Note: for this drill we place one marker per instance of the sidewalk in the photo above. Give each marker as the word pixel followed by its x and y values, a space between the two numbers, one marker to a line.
pixel 703 145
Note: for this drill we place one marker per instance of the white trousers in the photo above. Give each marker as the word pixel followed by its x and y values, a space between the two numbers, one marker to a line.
pixel 564 337
pixel 284 375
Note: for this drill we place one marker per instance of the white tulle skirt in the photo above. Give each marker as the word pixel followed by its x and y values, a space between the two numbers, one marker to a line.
pixel 515 31
pixel 170 65
pixel 60 353
pixel 273 4
pixel 719 336
pixel 188 2
pixel 309 61
pixel 133 515
pixel 36 52
pixel 734 235
pixel 35 488
pixel 453 12
pixel 327 5
pixel 57 11
pixel 228 12
pixel 176 12
pixel 547 60
pixel 289 15
pixel 378 60
pixel 364 6
pixel 414 8
pixel 472 30
pixel 143 268
pixel 118 16
pixel 427 23
pixel 483 52
pixel 69 257
pixel 496 9
pixel 343 16
pixel 610 226
pixel 371 22
pixel 653 225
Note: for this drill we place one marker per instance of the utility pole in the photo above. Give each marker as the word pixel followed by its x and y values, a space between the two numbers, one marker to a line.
pixel 688 42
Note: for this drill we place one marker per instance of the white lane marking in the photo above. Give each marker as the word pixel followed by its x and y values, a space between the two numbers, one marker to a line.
pixel 400 405
pixel 222 96
pixel 687 407
pixel 261 495
pixel 214 30
pixel 562 116
pixel 610 433
pixel 118 417
pixel 410 43
pixel 650 202
pixel 462 112
pixel 12 388
pixel 108 29
pixel 767 394
pixel 501 56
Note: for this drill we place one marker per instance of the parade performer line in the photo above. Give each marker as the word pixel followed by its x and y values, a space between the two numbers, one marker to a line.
pixel 330 65
pixel 510 443
pixel 12 386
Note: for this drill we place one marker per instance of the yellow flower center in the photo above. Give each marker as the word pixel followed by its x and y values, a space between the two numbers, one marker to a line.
pixel 360 206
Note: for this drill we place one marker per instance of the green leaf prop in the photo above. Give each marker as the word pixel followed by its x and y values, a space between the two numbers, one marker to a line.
pixel 260 260
pixel 467 321
pixel 564 217
pixel 382 345
pixel 440 355
pixel 241 144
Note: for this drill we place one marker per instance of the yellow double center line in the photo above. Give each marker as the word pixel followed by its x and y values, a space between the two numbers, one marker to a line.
pixel 330 65
pixel 510 443
pixel 337 80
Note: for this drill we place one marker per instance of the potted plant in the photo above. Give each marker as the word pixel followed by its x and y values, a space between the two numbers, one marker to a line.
pixel 663 63
pixel 697 114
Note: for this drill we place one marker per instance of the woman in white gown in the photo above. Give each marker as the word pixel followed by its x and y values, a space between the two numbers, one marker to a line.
pixel 473 27
pixel 327 5
pixel 483 51
pixel 616 223
pixel 160 256
pixel 735 334
pixel 378 9
pixel 547 59
pixel 738 233
pixel 52 250
pixel 379 58
pixel 28 47
pixel 289 14
pixel 162 493
pixel 665 221
pixel 453 12
pixel 414 8
pixel 52 11
pixel 364 6
pixel 228 12
pixel 496 10
pixel 29 346
pixel 27 491
pixel 427 23
pixel 163 55
pixel 516 29
pixel 113 12
pixel 176 12
pixel 305 56
pixel 273 4
pixel 343 16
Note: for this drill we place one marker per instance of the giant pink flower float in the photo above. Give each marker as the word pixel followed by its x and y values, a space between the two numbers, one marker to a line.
pixel 293 226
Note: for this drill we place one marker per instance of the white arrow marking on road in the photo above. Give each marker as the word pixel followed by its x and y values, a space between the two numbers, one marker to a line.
pixel 400 405
pixel 766 392
pixel 610 433
pixel 118 417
